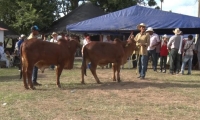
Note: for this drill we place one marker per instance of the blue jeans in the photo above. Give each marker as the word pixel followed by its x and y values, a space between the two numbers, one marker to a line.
pixel 185 59
pixel 152 53
pixel 34 74
pixel 142 65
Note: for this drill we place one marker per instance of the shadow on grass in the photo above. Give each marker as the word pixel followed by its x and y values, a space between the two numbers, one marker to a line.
pixel 9 78
pixel 16 78
pixel 129 85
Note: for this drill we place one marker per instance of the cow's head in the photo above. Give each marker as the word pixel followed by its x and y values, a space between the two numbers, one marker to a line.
pixel 130 41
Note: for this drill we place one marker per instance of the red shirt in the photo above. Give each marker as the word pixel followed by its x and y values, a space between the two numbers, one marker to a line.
pixel 163 50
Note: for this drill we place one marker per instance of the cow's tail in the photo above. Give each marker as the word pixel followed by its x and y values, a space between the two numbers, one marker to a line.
pixel 20 65
pixel 84 66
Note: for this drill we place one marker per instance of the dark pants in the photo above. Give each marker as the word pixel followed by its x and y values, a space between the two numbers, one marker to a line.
pixel 163 62
pixel 134 60
pixel 142 65
pixel 52 67
pixel 34 74
pixel 152 53
pixel 174 59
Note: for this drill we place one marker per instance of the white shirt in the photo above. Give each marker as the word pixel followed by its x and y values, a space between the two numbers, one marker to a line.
pixel 2 54
pixel 104 38
pixel 54 40
pixel 154 39
pixel 84 42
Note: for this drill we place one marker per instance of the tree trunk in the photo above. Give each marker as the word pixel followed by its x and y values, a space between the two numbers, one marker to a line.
pixel 74 4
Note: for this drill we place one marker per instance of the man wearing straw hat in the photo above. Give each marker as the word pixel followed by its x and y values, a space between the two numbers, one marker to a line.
pixel 173 46
pixel 142 42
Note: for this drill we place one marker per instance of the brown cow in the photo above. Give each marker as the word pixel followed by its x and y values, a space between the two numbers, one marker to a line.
pixel 42 54
pixel 102 53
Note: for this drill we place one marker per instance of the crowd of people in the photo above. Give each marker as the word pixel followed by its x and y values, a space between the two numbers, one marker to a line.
pixel 179 50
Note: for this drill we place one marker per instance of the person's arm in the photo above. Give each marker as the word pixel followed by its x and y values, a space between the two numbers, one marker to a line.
pixel 170 43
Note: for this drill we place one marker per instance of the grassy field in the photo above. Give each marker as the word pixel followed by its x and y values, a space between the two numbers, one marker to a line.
pixel 159 97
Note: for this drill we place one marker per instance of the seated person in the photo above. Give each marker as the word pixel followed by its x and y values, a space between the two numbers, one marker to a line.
pixel 3 55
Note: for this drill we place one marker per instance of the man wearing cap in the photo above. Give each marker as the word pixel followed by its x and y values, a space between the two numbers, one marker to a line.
pixel 154 42
pixel 173 46
pixel 142 42
pixel 34 34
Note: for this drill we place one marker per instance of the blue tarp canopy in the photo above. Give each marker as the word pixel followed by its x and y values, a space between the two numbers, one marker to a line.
pixel 127 20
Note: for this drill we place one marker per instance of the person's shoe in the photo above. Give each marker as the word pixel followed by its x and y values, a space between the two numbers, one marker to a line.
pixel 188 73
pixel 142 78
pixel 139 77
pixel 36 84
pixel 181 72
pixel 164 71
pixel 160 71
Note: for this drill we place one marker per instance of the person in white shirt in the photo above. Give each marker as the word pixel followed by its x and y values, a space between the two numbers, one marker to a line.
pixel 154 42
pixel 3 55
pixel 54 37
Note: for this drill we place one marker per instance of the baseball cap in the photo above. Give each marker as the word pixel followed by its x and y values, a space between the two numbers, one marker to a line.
pixel 35 27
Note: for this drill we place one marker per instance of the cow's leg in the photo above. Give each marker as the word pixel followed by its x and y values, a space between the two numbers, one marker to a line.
pixel 114 70
pixel 93 68
pixel 29 75
pixel 24 73
pixel 58 73
pixel 118 72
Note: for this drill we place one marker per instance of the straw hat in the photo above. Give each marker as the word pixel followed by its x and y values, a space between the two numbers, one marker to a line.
pixel 177 31
pixel 149 29
pixel 165 36
pixel 141 24
pixel 54 33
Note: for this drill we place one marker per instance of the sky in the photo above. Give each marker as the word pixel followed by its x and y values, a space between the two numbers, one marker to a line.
pixel 186 7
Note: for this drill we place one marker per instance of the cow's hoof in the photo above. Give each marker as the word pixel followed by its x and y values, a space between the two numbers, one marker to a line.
pixel 114 79
pixel 82 82
pixel 118 81
pixel 26 87
pixel 99 82
pixel 59 86
pixel 32 88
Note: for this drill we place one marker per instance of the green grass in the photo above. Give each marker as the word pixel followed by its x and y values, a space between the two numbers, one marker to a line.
pixel 159 97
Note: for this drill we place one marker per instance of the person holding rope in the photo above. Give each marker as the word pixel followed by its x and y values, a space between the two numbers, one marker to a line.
pixel 142 42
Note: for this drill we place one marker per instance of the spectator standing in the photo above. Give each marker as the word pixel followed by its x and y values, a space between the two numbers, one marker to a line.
pixel 142 41
pixel 54 36
pixel 188 55
pixel 163 54
pixel 34 34
pixel 173 46
pixel 154 42
pixel 54 39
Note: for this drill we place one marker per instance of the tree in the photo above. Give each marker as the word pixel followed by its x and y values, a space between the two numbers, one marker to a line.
pixel 114 5
pixel 22 14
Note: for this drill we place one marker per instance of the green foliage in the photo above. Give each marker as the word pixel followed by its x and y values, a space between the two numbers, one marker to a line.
pixel 22 14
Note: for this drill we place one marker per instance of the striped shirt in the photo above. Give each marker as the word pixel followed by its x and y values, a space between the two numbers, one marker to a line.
pixel 189 46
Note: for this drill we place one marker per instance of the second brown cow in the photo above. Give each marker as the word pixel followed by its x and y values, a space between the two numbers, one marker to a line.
pixel 102 53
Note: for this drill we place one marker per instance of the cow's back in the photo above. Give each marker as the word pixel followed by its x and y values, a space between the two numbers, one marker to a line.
pixel 103 52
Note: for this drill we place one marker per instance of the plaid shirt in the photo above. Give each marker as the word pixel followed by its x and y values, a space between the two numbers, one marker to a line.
pixel 189 46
